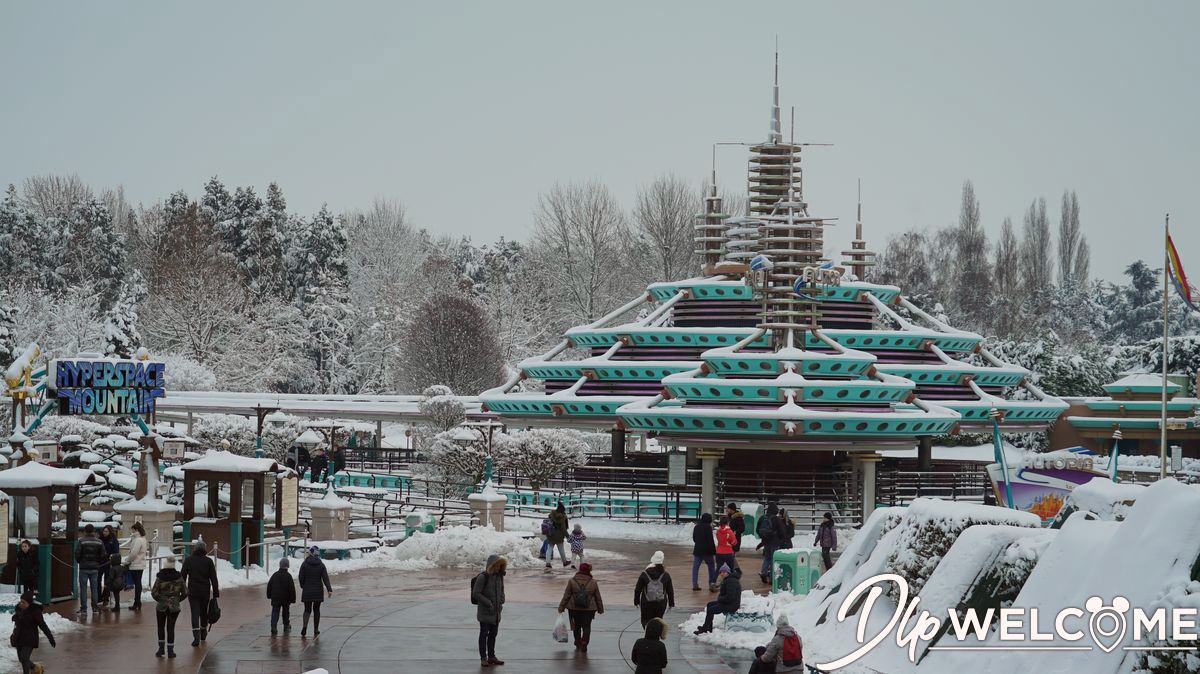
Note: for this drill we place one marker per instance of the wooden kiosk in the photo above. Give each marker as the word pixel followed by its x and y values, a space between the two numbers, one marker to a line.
pixel 56 553
pixel 241 522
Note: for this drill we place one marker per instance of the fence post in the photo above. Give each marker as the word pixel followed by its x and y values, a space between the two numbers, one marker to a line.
pixel 246 556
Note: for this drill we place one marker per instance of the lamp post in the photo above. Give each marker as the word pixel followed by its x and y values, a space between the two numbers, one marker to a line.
pixel 261 413
pixel 310 441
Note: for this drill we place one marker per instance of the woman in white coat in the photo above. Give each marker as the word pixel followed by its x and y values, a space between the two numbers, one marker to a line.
pixel 136 561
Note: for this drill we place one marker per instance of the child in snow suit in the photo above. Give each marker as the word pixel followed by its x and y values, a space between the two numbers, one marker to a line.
pixel 281 590
pixel 576 539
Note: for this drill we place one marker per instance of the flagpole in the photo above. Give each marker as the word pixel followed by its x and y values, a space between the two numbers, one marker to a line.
pixel 1162 424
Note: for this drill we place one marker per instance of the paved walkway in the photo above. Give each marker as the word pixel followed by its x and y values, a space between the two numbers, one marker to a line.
pixel 421 621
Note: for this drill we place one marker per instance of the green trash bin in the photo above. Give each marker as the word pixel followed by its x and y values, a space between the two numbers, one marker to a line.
pixel 796 570
pixel 419 521
pixel 751 514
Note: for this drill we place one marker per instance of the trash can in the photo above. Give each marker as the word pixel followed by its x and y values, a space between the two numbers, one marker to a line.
pixel 751 514
pixel 796 570
pixel 419 521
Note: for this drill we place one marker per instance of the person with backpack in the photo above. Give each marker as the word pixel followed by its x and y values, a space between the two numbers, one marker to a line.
pixel 728 601
pixel 726 540
pixel 487 592
pixel 89 555
pixel 168 590
pixel 787 530
pixel 281 590
pixel 785 650
pixel 558 534
pixel 28 620
pixel 200 574
pixel 737 522
pixel 582 599
pixel 826 539
pixel 654 592
pixel 768 540
pixel 576 540
pixel 649 652
pixel 27 567
pixel 704 551
pixel 313 575
pixel 114 580
pixel 135 563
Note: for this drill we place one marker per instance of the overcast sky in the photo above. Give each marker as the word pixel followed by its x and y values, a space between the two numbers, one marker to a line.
pixel 466 111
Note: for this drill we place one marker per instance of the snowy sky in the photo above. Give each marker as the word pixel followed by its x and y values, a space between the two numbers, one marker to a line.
pixel 465 111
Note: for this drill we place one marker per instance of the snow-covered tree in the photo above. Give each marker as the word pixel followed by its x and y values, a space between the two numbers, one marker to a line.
pixel 121 335
pixel 1069 239
pixel 184 374
pixel 328 319
pixel 8 330
pixel 663 215
pixel 541 454
pixel 973 287
pixel 450 341
pixel 1037 261
pixel 461 453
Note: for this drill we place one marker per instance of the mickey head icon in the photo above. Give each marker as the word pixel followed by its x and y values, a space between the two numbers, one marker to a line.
pixel 1107 623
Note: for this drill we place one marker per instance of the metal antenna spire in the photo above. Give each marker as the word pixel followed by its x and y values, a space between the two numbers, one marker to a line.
pixel 858 225
pixel 776 135
pixel 714 169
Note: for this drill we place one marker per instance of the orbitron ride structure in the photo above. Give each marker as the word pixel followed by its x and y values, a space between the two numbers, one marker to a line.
pixel 775 356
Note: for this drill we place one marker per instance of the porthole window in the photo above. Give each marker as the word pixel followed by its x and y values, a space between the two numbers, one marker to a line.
pixel 862 426
pixel 839 426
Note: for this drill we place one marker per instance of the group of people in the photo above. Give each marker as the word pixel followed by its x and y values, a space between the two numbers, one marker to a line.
pixel 101 568
pixel 323 464
pixel 554 533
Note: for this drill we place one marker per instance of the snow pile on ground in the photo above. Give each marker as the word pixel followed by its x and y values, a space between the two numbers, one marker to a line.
pixel 1103 498
pixel 600 527
pixel 457 547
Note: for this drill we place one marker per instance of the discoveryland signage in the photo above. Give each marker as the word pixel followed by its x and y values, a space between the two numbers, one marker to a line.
pixel 107 386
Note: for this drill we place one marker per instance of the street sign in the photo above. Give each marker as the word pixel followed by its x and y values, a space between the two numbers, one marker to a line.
pixel 677 469
pixel 1176 458
pixel 287 506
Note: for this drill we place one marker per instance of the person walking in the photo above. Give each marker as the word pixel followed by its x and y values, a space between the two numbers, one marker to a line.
pixel 704 551
pixel 576 540
pixel 826 539
pixel 281 590
pixel 487 592
pixel 581 599
pixel 787 530
pixel 200 574
pixel 726 540
pixel 169 590
pixel 318 462
pixel 649 652
pixel 112 546
pixel 89 555
pixel 337 461
pixel 737 522
pixel 135 563
pixel 768 540
pixel 312 577
pixel 729 600
pixel 559 526
pixel 28 621
pixel 784 653
pixel 654 592
pixel 27 567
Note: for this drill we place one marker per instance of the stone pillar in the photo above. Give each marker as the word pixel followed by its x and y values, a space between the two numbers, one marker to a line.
pixel 925 453
pixel 618 446
pixel 708 478
pixel 487 507
pixel 868 462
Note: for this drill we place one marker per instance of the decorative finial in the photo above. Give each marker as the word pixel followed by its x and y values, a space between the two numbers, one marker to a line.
pixel 776 134
pixel 858 224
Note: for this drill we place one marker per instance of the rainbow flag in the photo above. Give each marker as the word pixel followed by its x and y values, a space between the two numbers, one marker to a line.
pixel 1187 293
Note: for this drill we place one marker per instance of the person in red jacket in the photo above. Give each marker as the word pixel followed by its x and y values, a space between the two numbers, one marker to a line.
pixel 726 543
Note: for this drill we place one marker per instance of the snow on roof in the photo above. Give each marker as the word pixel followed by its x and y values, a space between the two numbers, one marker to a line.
pixel 488 493
pixel 310 437
pixel 227 462
pixel 71 439
pixel 147 504
pixel 1141 380
pixel 984 453
pixel 35 474
pixel 331 501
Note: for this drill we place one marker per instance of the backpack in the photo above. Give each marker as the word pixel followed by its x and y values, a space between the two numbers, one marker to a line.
pixel 654 589
pixel 580 600
pixel 766 528
pixel 792 653
pixel 547 528
pixel 474 580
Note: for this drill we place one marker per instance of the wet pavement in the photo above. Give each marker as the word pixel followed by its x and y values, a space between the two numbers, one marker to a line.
pixel 381 620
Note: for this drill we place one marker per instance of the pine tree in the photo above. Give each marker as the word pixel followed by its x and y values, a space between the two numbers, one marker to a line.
pixel 8 331
pixel 238 234
pixel 121 335
pixel 328 319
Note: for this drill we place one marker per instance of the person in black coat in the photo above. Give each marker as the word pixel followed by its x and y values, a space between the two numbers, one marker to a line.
pixel 647 588
pixel 649 652
pixel 704 550
pixel 200 573
pixel 737 522
pixel 28 621
pixel 27 567
pixel 318 462
pixel 728 601
pixel 312 576
pixel 281 590
pixel 112 546
pixel 769 529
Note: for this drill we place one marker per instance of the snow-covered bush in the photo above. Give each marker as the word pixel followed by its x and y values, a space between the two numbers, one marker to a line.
pixel 184 374
pixel 210 429
pixel 442 411
pixel 1178 595
pixel 462 453
pixel 541 454
pixel 54 427
pixel 931 526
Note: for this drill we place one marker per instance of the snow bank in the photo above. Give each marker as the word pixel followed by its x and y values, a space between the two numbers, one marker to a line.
pixel 458 547
pixel 1105 499
pixel 58 626
pixel 599 527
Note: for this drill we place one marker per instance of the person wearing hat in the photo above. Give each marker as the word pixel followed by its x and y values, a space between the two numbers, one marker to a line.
pixel 200 573
pixel 649 652
pixel 826 539
pixel 169 590
pixel 654 592
pixel 729 599
pixel 312 577
pixel 582 598
pixel 487 593
pixel 28 620
pixel 784 653
pixel 281 590
pixel 737 522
